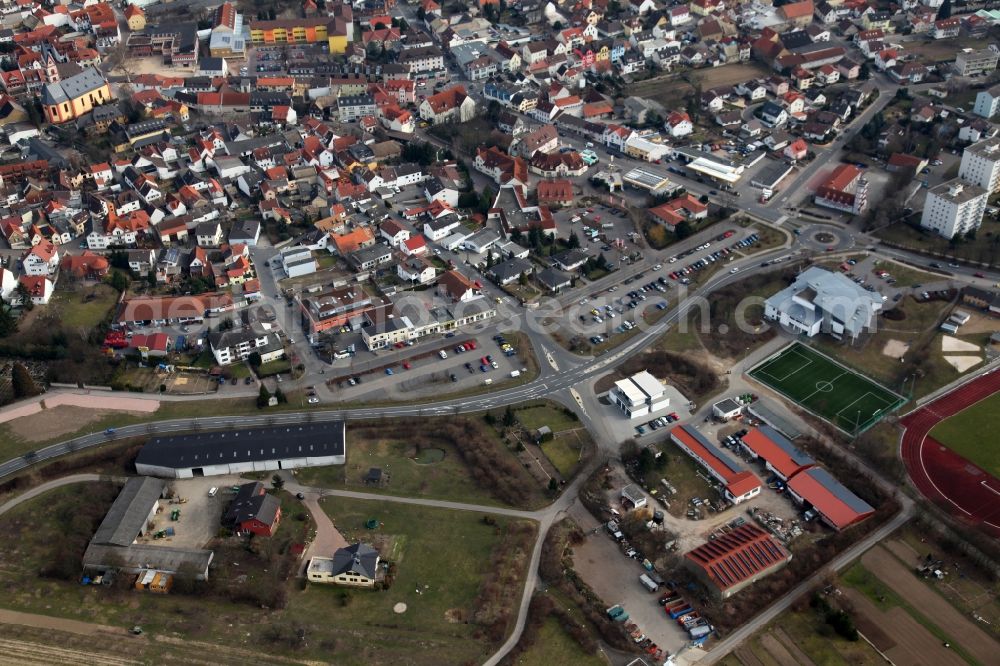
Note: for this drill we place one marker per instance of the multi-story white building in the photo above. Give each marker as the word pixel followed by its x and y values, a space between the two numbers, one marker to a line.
pixel 954 207
pixel 639 395
pixel 987 102
pixel 976 62
pixel 981 165
pixel 237 345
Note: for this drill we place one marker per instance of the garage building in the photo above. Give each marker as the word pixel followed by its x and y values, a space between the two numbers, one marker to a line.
pixel 726 409
pixel 738 483
pixel 779 454
pixel 237 451
pixel 837 506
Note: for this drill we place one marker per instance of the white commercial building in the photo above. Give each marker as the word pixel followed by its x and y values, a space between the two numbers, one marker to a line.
pixel 297 261
pixel 639 395
pixel 821 301
pixel 954 208
pixel 981 164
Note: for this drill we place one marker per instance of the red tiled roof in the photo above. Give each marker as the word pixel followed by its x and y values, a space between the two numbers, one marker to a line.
pixel 837 504
pixel 738 481
pixel 797 9
pixel 779 454
pixel 842 177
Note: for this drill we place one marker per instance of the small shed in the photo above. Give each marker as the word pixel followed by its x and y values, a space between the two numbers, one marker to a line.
pixel 543 434
pixel 373 477
pixel 633 497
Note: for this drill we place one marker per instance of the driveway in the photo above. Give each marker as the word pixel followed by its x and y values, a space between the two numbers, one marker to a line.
pixel 327 538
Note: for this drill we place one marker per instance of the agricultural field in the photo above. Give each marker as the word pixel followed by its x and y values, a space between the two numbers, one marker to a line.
pixel 847 399
pixel 926 628
pixel 963 434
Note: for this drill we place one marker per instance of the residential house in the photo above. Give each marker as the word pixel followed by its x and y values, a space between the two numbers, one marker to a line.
pixel 41 259
pixel 253 511
pixel 354 566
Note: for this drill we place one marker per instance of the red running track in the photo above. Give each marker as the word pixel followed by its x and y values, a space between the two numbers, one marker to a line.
pixel 943 476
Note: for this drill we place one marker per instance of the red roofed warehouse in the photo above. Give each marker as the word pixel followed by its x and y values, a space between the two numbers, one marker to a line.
pixel 780 455
pixel 735 560
pixel 837 506
pixel 739 484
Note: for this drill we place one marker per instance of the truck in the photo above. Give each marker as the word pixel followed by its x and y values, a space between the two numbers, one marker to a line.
pixel 648 583
pixel 701 631
pixel 617 613
pixel 684 610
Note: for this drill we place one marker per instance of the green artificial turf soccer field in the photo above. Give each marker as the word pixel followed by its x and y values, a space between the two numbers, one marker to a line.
pixel 849 400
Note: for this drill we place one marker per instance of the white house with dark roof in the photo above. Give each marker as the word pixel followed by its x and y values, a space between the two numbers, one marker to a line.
pixel 356 565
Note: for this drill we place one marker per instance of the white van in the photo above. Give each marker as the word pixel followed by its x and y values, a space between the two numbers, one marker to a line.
pixel 213 491
pixel 515 373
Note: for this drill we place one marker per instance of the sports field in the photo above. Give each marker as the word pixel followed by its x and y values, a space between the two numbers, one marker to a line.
pixel 848 400
pixel 967 434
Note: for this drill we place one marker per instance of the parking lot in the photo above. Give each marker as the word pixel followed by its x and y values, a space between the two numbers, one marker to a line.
pixel 722 250
pixel 411 372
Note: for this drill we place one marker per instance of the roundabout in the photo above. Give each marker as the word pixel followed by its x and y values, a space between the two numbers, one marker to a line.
pixel 825 238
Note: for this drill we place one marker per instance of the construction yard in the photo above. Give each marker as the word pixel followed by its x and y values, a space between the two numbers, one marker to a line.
pixel 670 90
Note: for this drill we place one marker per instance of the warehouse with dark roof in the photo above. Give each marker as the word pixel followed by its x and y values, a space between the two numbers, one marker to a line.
pixel 218 452
pixel 837 506
pixel 732 561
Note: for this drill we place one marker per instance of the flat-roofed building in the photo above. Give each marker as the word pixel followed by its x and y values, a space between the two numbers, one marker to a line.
pixel 954 208
pixel 639 395
pixel 973 62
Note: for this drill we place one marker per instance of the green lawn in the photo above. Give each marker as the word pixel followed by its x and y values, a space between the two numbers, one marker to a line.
pixel 442 557
pixel 281 365
pixel 843 397
pixel 83 307
pixel 551 415
pixel 448 479
pixel 553 647
pixel 563 452
pixel 904 275
pixel 963 434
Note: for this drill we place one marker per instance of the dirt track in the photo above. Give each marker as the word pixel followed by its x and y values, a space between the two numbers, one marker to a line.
pixel 895 574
